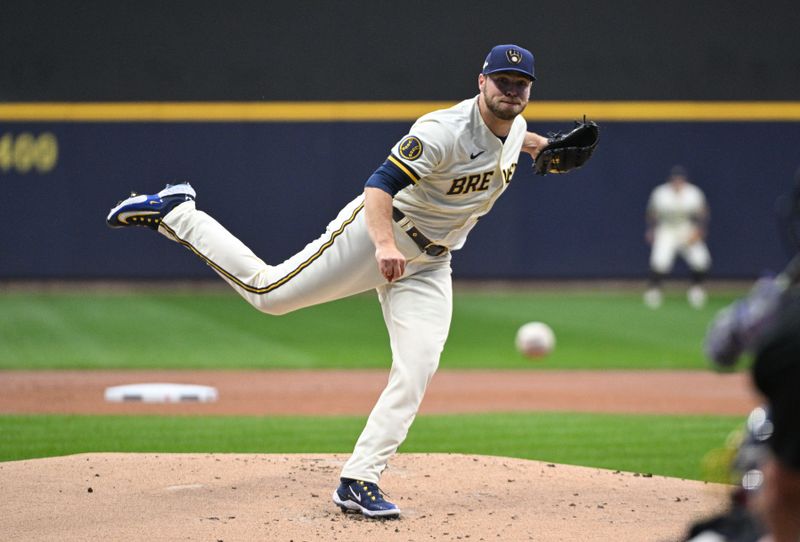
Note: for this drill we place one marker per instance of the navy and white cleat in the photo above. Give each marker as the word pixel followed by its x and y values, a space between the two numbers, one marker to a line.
pixel 149 210
pixel 364 497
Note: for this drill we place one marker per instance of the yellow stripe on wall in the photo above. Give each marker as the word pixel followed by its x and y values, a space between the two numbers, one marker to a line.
pixel 671 111
pixel 219 111
pixel 387 111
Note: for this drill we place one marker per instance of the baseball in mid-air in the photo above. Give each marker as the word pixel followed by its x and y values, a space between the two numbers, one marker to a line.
pixel 535 339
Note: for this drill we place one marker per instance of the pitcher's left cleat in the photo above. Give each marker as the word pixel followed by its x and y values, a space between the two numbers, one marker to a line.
pixel 149 210
pixel 364 497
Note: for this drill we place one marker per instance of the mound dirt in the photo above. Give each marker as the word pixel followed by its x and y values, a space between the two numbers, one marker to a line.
pixel 230 497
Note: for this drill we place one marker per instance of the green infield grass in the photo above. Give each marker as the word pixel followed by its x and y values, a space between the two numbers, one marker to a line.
pixel 215 329
pixel 662 445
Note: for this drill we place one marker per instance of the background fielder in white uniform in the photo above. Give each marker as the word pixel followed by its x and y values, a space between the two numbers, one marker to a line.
pixel 418 206
pixel 677 220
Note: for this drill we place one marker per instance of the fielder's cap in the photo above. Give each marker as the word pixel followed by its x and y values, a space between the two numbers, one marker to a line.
pixel 509 58
pixel 678 171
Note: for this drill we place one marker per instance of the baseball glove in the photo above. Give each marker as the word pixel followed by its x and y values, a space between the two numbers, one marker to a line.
pixel 568 151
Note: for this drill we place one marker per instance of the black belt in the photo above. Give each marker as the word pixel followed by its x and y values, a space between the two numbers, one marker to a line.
pixel 426 245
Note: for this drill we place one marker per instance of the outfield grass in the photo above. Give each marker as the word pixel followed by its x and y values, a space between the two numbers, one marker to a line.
pixel 137 330
pixel 664 445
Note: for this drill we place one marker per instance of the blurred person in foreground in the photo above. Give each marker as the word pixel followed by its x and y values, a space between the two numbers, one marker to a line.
pixel 677 219
pixel 766 325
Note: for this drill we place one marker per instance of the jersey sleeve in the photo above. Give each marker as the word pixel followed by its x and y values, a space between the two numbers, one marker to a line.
pixel 701 197
pixel 389 178
pixel 422 150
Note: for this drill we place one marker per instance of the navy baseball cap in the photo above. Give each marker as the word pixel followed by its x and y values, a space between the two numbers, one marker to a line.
pixel 678 171
pixel 509 58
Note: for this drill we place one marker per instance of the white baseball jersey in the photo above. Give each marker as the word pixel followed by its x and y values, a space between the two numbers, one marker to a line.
pixel 676 208
pixel 458 169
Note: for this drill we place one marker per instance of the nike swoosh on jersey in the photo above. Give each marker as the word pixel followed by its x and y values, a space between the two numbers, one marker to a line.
pixel 474 156
pixel 123 217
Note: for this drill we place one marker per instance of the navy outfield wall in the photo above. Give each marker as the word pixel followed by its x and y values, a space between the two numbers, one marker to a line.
pixel 276 185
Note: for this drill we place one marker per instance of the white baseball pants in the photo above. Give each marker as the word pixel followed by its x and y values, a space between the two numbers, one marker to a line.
pixel 417 308
pixel 668 242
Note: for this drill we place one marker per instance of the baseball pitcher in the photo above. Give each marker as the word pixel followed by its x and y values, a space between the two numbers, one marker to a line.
pixel 396 238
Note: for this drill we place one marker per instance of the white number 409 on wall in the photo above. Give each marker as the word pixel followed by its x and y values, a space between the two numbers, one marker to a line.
pixel 25 152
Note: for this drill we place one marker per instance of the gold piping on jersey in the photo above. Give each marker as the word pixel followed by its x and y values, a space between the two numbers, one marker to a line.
pixel 278 283
pixel 404 168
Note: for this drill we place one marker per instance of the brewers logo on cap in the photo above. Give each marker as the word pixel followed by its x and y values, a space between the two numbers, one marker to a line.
pixel 411 148
pixel 509 57
pixel 514 56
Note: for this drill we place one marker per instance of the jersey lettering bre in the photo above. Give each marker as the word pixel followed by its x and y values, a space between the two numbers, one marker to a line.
pixel 457 167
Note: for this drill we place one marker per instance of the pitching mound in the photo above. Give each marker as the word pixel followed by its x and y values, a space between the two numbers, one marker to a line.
pixel 226 497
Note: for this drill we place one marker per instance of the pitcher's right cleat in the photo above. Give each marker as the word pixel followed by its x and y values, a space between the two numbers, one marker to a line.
pixel 364 497
pixel 149 210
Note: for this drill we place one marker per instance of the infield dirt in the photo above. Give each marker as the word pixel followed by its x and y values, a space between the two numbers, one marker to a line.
pixel 319 392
